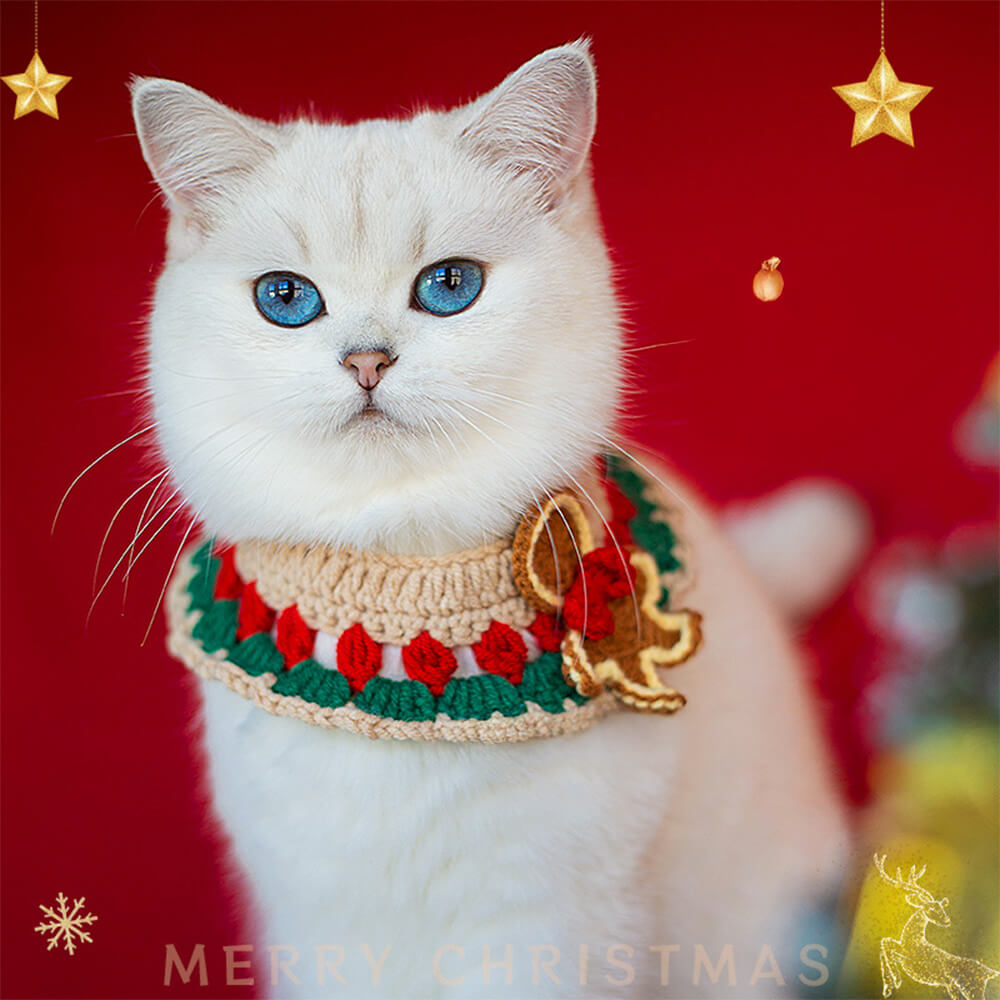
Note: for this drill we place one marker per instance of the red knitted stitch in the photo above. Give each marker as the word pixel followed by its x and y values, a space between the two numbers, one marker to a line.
pixel 228 585
pixel 359 656
pixel 547 632
pixel 608 575
pixel 589 614
pixel 255 616
pixel 295 639
pixel 613 569
pixel 502 651
pixel 428 661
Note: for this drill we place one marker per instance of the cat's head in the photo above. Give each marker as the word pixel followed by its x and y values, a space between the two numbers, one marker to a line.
pixel 393 335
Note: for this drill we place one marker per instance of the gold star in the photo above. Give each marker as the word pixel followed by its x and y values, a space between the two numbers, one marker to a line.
pixel 36 89
pixel 882 104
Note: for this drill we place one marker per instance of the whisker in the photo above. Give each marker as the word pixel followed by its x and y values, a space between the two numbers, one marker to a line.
pixel 195 519
pixel 140 529
pixel 426 424
pixel 130 549
pixel 144 208
pixel 131 437
pixel 109 395
pixel 649 471
pixel 621 555
pixel 576 549
pixel 122 506
pixel 626 565
pixel 151 539
pixel 258 443
pixel 607 527
pixel 558 509
pixel 145 525
pixel 271 375
pixel 651 347
pixel 166 582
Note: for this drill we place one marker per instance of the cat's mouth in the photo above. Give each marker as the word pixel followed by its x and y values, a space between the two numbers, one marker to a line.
pixel 369 415
pixel 372 416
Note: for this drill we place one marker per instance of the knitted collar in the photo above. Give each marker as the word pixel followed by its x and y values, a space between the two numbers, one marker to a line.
pixel 536 635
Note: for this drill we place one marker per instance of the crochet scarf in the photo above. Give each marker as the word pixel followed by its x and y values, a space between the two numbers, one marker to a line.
pixel 536 635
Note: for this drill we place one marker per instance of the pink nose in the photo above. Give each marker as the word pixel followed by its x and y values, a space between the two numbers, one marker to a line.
pixel 367 367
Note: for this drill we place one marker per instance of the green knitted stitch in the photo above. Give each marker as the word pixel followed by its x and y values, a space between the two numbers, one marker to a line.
pixel 479 697
pixel 649 533
pixel 202 584
pixel 407 701
pixel 258 655
pixel 312 682
pixel 216 628
pixel 545 685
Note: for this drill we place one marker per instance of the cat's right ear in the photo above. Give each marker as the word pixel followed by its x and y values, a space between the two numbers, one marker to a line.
pixel 196 148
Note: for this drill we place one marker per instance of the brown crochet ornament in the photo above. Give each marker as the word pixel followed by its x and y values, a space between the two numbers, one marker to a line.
pixel 633 637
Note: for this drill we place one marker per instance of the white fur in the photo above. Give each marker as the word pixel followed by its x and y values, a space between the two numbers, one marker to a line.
pixel 803 542
pixel 698 829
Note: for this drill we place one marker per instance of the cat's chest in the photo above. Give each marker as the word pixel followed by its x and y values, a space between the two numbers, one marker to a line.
pixel 358 840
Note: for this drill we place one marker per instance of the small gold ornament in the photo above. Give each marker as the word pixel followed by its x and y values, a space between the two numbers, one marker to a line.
pixel 36 87
pixel 768 282
pixel 882 103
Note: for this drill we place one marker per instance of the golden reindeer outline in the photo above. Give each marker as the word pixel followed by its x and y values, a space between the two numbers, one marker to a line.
pixel 963 978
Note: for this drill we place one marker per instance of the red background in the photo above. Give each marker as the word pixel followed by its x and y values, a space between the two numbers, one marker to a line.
pixel 720 143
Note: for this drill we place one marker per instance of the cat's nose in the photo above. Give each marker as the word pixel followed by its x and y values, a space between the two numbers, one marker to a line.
pixel 367 366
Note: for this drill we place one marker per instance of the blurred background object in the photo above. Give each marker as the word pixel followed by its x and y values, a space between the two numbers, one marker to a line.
pixel 936 770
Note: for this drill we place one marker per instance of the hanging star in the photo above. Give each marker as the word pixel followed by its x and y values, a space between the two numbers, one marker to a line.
pixel 36 89
pixel 882 104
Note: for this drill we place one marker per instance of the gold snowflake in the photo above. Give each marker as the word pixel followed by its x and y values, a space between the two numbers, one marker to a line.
pixel 66 923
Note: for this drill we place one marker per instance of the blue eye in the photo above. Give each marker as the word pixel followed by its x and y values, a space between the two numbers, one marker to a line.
pixel 287 299
pixel 448 287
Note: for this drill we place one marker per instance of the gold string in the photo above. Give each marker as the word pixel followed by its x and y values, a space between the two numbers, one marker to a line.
pixel 881 24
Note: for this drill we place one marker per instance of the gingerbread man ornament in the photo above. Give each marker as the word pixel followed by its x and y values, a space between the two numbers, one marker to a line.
pixel 616 635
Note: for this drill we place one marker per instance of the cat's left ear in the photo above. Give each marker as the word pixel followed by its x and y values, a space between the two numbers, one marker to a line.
pixel 540 120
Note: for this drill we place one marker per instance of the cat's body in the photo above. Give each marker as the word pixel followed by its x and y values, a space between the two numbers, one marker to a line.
pixel 699 830
pixel 704 829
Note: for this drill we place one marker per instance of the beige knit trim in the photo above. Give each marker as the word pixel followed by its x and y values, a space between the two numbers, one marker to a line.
pixel 395 598
pixel 536 722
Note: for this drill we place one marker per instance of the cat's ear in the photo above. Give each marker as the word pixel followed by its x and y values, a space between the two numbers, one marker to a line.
pixel 540 120
pixel 196 148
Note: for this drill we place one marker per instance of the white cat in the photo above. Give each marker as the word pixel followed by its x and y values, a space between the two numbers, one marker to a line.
pixel 650 842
